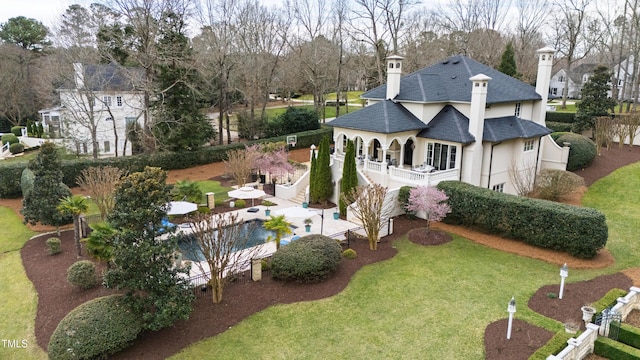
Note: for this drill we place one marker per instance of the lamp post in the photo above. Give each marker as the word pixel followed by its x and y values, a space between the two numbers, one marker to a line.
pixel 511 308
pixel 313 149
pixel 321 221
pixel 564 272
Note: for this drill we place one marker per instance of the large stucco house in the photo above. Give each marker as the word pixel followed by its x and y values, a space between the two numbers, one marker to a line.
pixel 455 120
pixel 102 98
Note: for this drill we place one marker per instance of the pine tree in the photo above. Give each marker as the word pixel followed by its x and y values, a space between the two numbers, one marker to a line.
pixel 349 175
pixel 595 101
pixel 40 204
pixel 179 124
pixel 324 181
pixel 508 62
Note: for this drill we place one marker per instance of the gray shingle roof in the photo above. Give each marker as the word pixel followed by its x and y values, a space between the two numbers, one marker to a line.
pixel 511 127
pixel 448 81
pixel 385 117
pixel 109 77
pixel 448 125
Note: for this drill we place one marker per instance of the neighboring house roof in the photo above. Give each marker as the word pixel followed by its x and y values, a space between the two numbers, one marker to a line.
pixel 449 125
pixel 110 77
pixel 511 127
pixel 385 117
pixel 448 80
pixel 578 71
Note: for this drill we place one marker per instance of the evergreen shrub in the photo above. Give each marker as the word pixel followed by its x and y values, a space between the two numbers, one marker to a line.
pixel 561 117
pixel 349 254
pixel 17 130
pixel 579 231
pixel 558 126
pixel 16 148
pixel 582 150
pixel 240 203
pixel 82 274
pixel 611 349
pixel 309 259
pixel 9 139
pixel 53 246
pixel 95 329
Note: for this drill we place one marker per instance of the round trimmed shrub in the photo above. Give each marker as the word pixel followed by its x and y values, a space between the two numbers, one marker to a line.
pixel 97 328
pixel 17 130
pixel 82 274
pixel 240 203
pixel 349 254
pixel 309 259
pixel 9 139
pixel 53 246
pixel 16 148
pixel 582 150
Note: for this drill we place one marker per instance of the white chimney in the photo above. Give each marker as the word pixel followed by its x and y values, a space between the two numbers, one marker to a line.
pixel 472 162
pixel 394 72
pixel 78 75
pixel 545 63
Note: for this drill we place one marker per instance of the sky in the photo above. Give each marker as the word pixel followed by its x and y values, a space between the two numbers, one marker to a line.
pixel 45 11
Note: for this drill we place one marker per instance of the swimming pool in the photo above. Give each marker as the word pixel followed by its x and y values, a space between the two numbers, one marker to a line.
pixel 257 235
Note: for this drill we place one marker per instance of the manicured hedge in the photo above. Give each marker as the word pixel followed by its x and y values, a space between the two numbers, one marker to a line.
pixel 561 117
pixel 582 150
pixel 97 328
pixel 627 334
pixel 612 349
pixel 17 130
pixel 9 139
pixel 558 126
pixel 579 231
pixel 309 259
pixel 553 346
pixel 10 173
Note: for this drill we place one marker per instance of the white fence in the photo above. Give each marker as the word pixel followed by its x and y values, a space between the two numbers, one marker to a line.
pixel 578 349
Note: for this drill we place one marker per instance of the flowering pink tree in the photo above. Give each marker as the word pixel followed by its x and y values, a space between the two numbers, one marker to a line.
pixel 272 159
pixel 430 200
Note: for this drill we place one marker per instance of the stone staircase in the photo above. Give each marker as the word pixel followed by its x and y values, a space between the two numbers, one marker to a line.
pixel 299 198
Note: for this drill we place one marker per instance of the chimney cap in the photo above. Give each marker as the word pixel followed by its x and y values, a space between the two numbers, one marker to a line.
pixel 546 49
pixel 480 77
pixel 395 57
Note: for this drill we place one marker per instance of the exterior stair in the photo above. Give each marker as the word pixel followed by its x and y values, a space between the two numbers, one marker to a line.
pixel 299 198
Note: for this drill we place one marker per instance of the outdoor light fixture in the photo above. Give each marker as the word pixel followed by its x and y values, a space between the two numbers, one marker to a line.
pixel 564 272
pixel 511 308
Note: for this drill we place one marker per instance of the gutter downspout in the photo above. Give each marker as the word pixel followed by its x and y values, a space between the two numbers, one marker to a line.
pixel 535 174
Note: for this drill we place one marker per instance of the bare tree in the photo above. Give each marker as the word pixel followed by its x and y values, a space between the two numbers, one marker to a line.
pixel 241 162
pixel 532 17
pixel 605 130
pixel 571 41
pixel 371 207
pixel 522 177
pixel 632 123
pixel 219 238
pixel 101 182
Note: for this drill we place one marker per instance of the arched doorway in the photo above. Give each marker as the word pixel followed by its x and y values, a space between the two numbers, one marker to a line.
pixel 408 152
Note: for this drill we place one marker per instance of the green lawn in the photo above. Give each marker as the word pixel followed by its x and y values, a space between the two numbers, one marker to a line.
pixel 412 306
pixel 352 96
pixel 19 299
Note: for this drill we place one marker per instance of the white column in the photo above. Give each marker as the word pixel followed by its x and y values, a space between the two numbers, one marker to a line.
pixel 472 160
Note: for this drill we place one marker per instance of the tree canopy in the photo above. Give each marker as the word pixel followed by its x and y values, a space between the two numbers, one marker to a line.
pixel 29 34
pixel 595 100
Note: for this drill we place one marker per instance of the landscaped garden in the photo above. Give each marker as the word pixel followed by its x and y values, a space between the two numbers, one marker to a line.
pixel 425 302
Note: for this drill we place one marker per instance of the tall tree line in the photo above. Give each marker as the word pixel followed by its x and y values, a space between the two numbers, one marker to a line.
pixel 236 54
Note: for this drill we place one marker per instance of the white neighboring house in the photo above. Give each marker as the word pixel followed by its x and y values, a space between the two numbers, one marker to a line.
pixel 96 110
pixel 455 120
pixel 578 76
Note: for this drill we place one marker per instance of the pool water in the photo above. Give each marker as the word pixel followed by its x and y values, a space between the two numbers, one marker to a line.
pixel 257 235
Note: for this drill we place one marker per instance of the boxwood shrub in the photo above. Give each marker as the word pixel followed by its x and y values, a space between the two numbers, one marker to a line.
pixel 561 117
pixel 10 182
pixel 16 148
pixel 95 329
pixel 309 259
pixel 82 274
pixel 17 130
pixel 582 150
pixel 9 139
pixel 579 231
pixel 53 246
pixel 611 349
pixel 558 126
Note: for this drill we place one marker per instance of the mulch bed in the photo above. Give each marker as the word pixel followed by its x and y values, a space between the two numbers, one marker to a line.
pixel 56 297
